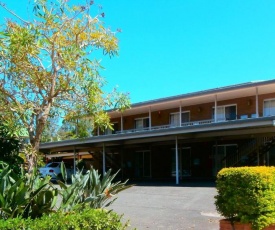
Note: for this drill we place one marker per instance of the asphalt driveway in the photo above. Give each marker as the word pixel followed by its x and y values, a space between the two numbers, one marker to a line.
pixel 166 206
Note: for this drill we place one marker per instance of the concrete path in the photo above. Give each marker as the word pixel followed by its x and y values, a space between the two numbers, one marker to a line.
pixel 166 206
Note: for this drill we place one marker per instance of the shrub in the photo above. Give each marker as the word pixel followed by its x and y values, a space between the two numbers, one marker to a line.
pixel 78 220
pixel 247 194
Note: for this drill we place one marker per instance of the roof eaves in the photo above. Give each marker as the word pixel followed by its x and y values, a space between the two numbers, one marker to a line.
pixel 201 93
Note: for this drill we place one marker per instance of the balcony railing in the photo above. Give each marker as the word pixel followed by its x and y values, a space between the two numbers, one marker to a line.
pixel 160 127
pixel 169 126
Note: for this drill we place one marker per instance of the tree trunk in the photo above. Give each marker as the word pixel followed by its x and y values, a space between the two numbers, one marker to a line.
pixel 35 138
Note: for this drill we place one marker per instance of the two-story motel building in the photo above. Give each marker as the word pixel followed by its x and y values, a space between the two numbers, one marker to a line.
pixel 192 135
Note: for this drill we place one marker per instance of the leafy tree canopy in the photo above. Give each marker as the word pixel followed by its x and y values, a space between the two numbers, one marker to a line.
pixel 47 67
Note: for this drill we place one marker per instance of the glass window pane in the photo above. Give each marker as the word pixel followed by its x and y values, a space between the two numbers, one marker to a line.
pixel 174 119
pixel 146 122
pixel 185 117
pixel 220 113
pixel 230 112
pixel 269 108
pixel 138 123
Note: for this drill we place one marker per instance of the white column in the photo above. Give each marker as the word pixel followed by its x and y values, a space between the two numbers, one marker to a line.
pixel 180 114
pixel 257 103
pixel 97 130
pixel 215 110
pixel 103 159
pixel 121 122
pixel 150 123
pixel 177 161
pixel 74 161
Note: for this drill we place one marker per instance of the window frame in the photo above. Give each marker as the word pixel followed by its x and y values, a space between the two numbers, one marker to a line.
pixel 177 113
pixel 224 114
pixel 268 100
pixel 143 122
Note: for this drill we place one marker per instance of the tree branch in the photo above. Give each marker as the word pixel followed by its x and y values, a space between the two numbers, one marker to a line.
pixel 14 14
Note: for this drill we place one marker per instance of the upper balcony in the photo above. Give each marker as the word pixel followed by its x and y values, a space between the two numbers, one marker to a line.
pixel 233 123
pixel 211 107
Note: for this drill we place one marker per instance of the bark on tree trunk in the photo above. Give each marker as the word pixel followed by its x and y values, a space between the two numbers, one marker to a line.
pixel 35 138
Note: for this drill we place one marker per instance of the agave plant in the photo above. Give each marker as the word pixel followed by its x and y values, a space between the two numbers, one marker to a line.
pixel 26 195
pixel 89 189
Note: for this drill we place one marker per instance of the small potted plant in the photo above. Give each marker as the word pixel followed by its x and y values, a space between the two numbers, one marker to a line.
pixel 246 198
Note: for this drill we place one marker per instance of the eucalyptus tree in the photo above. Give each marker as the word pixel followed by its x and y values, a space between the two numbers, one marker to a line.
pixel 49 67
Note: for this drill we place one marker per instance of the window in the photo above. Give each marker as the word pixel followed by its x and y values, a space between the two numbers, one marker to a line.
pixel 225 113
pixel 175 118
pixel 142 123
pixel 269 107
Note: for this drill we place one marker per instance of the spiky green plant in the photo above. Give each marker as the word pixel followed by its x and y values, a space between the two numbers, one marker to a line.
pixel 89 189
pixel 26 195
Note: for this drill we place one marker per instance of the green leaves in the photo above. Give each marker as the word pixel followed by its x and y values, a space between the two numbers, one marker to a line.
pixel 247 194
pixel 31 201
pixel 26 196
pixel 90 189
pixel 84 219
pixel 48 68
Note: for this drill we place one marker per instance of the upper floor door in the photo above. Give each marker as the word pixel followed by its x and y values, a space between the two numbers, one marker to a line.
pixel 269 107
pixel 225 113
pixel 175 118
pixel 142 123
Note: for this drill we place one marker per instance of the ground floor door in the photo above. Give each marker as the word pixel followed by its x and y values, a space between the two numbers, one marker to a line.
pixel 143 164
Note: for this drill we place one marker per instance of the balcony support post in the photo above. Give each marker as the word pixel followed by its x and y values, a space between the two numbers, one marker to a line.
pixel 74 160
pixel 177 160
pixel 103 159
pixel 257 103
pixel 180 115
pixel 121 122
pixel 150 117
pixel 215 109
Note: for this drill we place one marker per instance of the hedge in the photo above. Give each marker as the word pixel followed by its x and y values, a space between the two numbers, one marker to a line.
pixel 87 219
pixel 247 194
